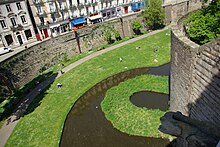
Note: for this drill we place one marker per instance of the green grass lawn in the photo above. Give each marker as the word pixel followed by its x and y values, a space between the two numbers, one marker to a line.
pixel 129 118
pixel 42 125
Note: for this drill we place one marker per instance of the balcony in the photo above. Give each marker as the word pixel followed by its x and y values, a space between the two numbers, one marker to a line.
pixel 18 27
pixel 94 4
pixel 80 6
pixel 87 4
pixel 43 13
pixel 53 11
pixel 73 7
pixel 38 2
pixel 51 0
pixel 63 9
pixel 42 25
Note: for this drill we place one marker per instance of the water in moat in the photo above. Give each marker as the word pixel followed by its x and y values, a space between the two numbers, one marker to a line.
pixel 152 100
pixel 86 125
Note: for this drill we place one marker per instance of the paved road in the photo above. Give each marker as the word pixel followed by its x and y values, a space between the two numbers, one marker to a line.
pixel 11 122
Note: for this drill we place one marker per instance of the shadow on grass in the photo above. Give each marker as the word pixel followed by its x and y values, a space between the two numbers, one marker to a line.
pixel 31 98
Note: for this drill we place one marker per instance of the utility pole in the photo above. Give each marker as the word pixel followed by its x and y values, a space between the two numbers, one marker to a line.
pixel 77 40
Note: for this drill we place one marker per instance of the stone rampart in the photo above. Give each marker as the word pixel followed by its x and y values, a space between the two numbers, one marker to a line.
pixel 195 77
pixel 24 66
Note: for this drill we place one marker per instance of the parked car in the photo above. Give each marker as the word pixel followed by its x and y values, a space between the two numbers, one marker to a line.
pixel 4 50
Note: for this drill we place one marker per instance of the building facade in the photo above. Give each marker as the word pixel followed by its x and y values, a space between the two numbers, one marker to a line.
pixel 15 25
pixel 53 17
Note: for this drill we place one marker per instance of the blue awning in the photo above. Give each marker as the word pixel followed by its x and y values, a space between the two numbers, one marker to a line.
pixel 79 20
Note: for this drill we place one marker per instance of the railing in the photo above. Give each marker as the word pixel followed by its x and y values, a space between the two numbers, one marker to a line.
pixel 63 8
pixel 80 6
pixel 51 0
pixel 17 27
pixel 43 13
pixel 38 2
pixel 73 7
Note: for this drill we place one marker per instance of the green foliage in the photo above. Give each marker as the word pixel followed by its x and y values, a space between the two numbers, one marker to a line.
pixel 117 35
pixel 43 125
pixel 108 37
pixel 128 118
pixel 154 14
pixel 65 58
pixel 136 26
pixel 203 25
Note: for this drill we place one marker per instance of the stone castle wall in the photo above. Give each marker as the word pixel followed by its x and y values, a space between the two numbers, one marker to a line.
pixel 195 77
pixel 175 9
pixel 24 66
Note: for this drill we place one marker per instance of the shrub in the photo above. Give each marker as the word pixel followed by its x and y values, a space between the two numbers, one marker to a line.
pixel 108 37
pixel 117 35
pixel 136 26
pixel 203 25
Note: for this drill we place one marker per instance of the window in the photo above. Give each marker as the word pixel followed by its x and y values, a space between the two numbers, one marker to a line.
pixel 53 17
pixel 3 24
pixel 28 34
pixel 8 8
pixel 13 22
pixel 19 6
pixel 42 20
pixel 93 9
pixel 39 9
pixel 85 1
pixel 9 39
pixel 23 19
pixel 52 8
pixel 87 10
pixel 104 14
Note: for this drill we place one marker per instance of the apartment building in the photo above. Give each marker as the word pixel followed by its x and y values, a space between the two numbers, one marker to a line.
pixel 102 9
pixel 15 24
pixel 51 17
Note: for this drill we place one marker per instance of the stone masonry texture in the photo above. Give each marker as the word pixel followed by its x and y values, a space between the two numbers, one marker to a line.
pixel 195 77
pixel 26 65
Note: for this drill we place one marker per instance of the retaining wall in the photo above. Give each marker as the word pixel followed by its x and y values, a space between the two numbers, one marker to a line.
pixel 24 66
pixel 195 77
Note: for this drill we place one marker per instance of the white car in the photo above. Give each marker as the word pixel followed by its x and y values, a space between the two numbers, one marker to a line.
pixel 4 50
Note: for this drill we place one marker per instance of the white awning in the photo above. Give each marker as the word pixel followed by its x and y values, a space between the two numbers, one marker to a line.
pixel 95 17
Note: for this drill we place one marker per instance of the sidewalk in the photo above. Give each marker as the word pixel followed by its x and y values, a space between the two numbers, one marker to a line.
pixel 16 50
pixel 11 122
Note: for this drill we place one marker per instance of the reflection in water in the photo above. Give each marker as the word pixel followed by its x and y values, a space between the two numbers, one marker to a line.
pixel 86 125
pixel 151 100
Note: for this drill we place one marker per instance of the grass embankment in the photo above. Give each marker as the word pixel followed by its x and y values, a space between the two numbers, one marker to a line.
pixel 129 118
pixel 43 124
pixel 7 106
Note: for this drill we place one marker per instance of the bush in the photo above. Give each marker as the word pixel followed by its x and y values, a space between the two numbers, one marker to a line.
pixel 136 26
pixel 108 37
pixel 203 25
pixel 117 35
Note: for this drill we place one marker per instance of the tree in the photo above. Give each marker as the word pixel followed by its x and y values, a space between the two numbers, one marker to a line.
pixel 136 26
pixel 154 14
pixel 203 25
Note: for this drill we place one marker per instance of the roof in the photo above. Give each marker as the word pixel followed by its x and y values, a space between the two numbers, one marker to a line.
pixel 77 21
pixel 9 1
